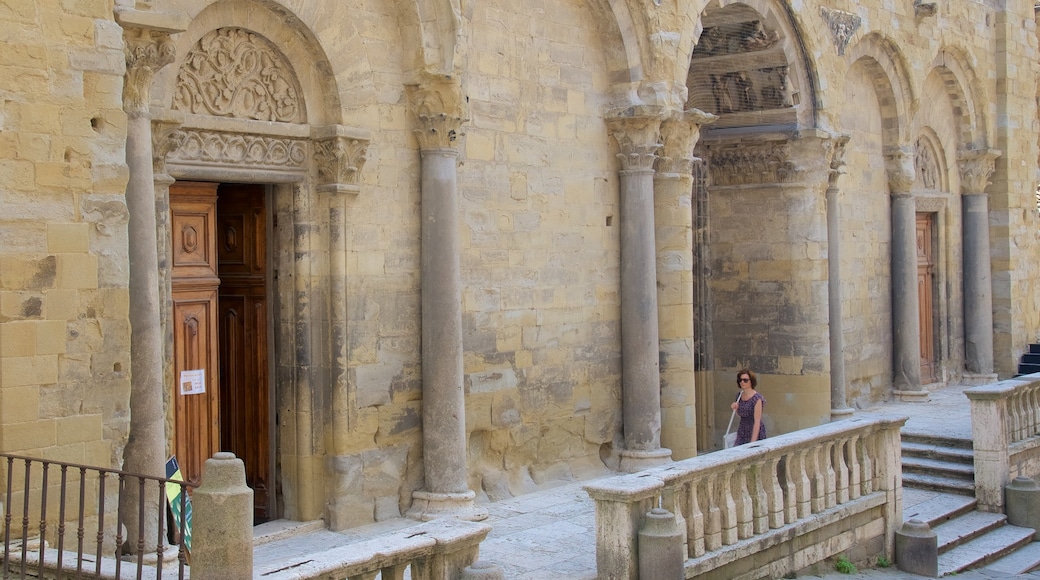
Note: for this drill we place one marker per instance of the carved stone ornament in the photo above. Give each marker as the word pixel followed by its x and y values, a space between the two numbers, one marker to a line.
pixel 233 72
pixel 926 164
pixel 221 149
pixel 440 111
pixel 977 167
pixel 679 137
pixel 146 52
pixel 746 164
pixel 899 168
pixel 339 161
pixel 837 163
pixel 842 24
pixel 166 138
pixel 638 140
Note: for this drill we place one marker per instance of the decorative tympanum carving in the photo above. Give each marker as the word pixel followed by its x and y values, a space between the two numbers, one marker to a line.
pixel 842 25
pixel 220 148
pixel 751 164
pixel 733 38
pixel 233 72
pixel 926 164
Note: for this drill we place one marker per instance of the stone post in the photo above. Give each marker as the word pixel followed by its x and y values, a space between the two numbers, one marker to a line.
pixel 148 48
pixel 673 214
pixel 839 405
pixel 620 509
pixel 438 104
pixel 976 169
pixel 637 137
pixel 906 330
pixel 222 526
pixel 990 441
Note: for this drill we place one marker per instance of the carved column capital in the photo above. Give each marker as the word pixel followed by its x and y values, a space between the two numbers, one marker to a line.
pixel 148 48
pixel 837 160
pixel 679 136
pixel 976 167
pixel 167 137
pixel 638 137
pixel 899 165
pixel 339 156
pixel 440 109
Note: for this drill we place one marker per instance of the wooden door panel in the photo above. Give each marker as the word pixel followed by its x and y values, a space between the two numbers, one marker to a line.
pixel 925 295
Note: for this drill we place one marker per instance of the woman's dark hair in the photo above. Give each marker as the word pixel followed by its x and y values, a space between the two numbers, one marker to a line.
pixel 750 374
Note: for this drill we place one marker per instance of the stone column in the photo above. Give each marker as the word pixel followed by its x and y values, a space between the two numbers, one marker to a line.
pixel 906 330
pixel 438 103
pixel 976 168
pixel 673 214
pixel 637 137
pixel 839 405
pixel 148 49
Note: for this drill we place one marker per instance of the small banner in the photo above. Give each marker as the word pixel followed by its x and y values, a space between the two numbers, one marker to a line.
pixel 173 496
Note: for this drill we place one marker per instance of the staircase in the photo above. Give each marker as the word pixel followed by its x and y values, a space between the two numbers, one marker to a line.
pixel 939 489
pixel 1030 362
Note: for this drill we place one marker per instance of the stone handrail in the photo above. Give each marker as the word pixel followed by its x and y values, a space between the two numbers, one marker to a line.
pixel 740 495
pixel 1005 422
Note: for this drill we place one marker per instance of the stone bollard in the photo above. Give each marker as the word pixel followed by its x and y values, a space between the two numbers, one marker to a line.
pixel 222 521
pixel 917 549
pixel 1022 504
pixel 660 547
pixel 481 570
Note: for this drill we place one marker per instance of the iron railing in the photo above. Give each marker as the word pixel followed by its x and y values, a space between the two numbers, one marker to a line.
pixel 85 496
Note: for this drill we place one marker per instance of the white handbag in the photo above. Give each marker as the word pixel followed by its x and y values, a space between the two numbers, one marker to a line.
pixel 730 439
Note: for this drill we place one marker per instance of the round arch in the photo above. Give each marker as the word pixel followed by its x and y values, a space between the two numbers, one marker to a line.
pixel 888 71
pixel 965 93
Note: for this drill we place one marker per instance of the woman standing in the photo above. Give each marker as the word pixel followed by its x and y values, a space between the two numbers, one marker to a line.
pixel 749 406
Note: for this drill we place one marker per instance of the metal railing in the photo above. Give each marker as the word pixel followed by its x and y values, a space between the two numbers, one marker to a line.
pixel 55 496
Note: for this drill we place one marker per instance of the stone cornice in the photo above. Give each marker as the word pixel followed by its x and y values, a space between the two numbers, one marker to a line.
pixel 638 138
pixel 679 136
pixel 899 167
pixel 440 109
pixel 148 48
pixel 976 167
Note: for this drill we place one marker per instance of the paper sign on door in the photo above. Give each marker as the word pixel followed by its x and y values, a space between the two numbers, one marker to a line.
pixel 193 382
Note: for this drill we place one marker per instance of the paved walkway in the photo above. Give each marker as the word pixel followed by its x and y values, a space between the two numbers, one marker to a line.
pixel 550 534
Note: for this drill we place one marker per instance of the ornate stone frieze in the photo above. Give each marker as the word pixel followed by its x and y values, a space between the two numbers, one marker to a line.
pixel 899 168
pixel 842 26
pixel 679 136
pixel 746 164
pixel 439 107
pixel 339 161
pixel 638 138
pixel 976 168
pixel 146 52
pixel 166 138
pixel 221 149
pixel 837 162
pixel 926 165
pixel 233 72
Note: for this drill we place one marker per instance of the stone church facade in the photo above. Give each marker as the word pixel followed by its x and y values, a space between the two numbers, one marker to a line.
pixel 406 256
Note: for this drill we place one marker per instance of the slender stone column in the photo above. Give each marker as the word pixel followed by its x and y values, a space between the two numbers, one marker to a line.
pixel 839 404
pixel 439 105
pixel 148 48
pixel 673 214
pixel 976 169
pixel 637 137
pixel 906 330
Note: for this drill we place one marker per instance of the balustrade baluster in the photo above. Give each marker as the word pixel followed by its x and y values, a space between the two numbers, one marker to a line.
pixel 789 466
pixel 713 533
pixel 774 493
pixel 759 501
pixel 819 479
pixel 671 500
pixel 745 516
pixel 393 572
pixel 1034 410
pixel 855 483
pixel 866 454
pixel 695 523
pixel 830 500
pixel 729 507
pixel 841 470
pixel 422 569
pixel 1014 418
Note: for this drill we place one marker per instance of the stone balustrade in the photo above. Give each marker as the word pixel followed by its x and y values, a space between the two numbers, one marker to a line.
pixel 1005 422
pixel 775 506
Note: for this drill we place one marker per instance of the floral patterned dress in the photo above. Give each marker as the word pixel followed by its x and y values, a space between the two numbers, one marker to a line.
pixel 746 411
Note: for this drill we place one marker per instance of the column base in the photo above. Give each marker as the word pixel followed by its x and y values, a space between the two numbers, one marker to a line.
pixel 430 505
pixel 978 379
pixel 912 396
pixel 633 461
pixel 839 414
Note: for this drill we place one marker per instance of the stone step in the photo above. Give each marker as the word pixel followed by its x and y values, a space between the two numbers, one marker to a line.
pixel 965 528
pixel 953 454
pixel 937 467
pixel 1032 358
pixel 1034 348
pixel 924 438
pixel 934 508
pixel 1021 561
pixel 984 549
pixel 936 483
pixel 1028 369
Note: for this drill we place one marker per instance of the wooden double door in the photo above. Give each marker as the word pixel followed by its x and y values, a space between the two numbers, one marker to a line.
pixel 220 289
pixel 926 294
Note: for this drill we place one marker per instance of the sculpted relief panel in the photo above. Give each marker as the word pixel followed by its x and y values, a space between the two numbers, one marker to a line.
pixel 232 72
